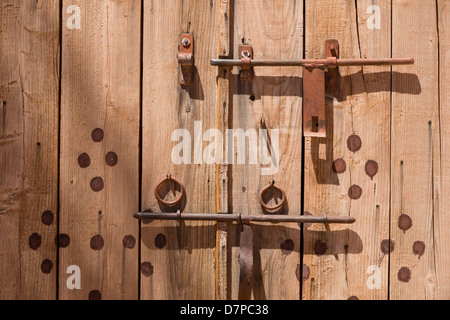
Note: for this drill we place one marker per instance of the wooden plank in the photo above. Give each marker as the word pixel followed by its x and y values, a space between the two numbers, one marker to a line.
pixel 415 152
pixel 442 222
pixel 275 31
pixel 178 261
pixel 224 25
pixel 100 149
pixel 343 262
pixel 29 95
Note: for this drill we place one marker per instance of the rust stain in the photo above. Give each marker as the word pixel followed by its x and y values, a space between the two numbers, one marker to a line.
pixel 97 184
pixel 46 266
pixel 387 246
pixel 160 241
pixel 146 269
pixel 111 159
pixel 97 135
pixel 320 247
pixel 339 166
pixel 95 295
pixel 371 168
pixel 287 247
pixel 84 160
pixel 355 192
pixel 47 218
pixel 35 241
pixel 419 248
pixel 306 272
pixel 62 240
pixel 354 143
pixel 404 274
pixel 129 242
pixel 405 222
pixel 97 242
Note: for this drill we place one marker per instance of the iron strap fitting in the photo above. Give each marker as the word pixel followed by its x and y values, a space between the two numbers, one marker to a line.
pixel 186 59
pixel 321 78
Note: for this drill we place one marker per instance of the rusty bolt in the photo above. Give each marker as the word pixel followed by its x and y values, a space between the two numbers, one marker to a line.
pixel 186 42
pixel 245 54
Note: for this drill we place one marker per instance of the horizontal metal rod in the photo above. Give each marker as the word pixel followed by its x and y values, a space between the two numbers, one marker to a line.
pixel 316 62
pixel 242 218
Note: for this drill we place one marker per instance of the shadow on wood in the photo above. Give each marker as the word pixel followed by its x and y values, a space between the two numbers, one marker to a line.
pixel 352 239
pixel 293 86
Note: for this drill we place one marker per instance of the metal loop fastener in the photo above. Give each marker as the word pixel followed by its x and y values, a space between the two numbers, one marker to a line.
pixel 169 178
pixel 263 191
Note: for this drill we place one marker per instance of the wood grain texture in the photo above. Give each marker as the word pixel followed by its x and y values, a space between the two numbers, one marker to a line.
pixel 29 95
pixel 275 31
pixel 183 264
pixel 224 27
pixel 415 152
pixel 100 90
pixel 346 261
pixel 442 200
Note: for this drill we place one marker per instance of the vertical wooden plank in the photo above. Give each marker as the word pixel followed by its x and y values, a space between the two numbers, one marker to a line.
pixel 29 102
pixel 100 148
pixel 442 222
pixel 415 152
pixel 347 173
pixel 224 27
pixel 178 260
pixel 275 31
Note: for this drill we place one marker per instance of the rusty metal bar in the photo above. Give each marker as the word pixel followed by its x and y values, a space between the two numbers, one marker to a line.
pixel 243 218
pixel 314 62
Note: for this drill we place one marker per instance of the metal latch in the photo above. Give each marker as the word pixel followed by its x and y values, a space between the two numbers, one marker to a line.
pixel 186 59
pixel 246 255
pixel 320 78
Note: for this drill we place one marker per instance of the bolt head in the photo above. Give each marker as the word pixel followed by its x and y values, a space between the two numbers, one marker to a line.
pixel 186 43
pixel 245 54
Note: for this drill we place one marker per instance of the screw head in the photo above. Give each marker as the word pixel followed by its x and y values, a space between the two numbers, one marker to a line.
pixel 245 54
pixel 186 43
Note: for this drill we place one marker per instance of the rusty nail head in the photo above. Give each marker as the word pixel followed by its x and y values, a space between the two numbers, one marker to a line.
pixel 186 42
pixel 245 54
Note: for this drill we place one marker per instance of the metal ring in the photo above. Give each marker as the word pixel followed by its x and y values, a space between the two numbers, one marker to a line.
pixel 263 191
pixel 177 200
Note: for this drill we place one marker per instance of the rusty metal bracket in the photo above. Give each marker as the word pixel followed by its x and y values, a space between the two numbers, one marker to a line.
pixel 246 56
pixel 186 59
pixel 332 76
pixel 318 82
